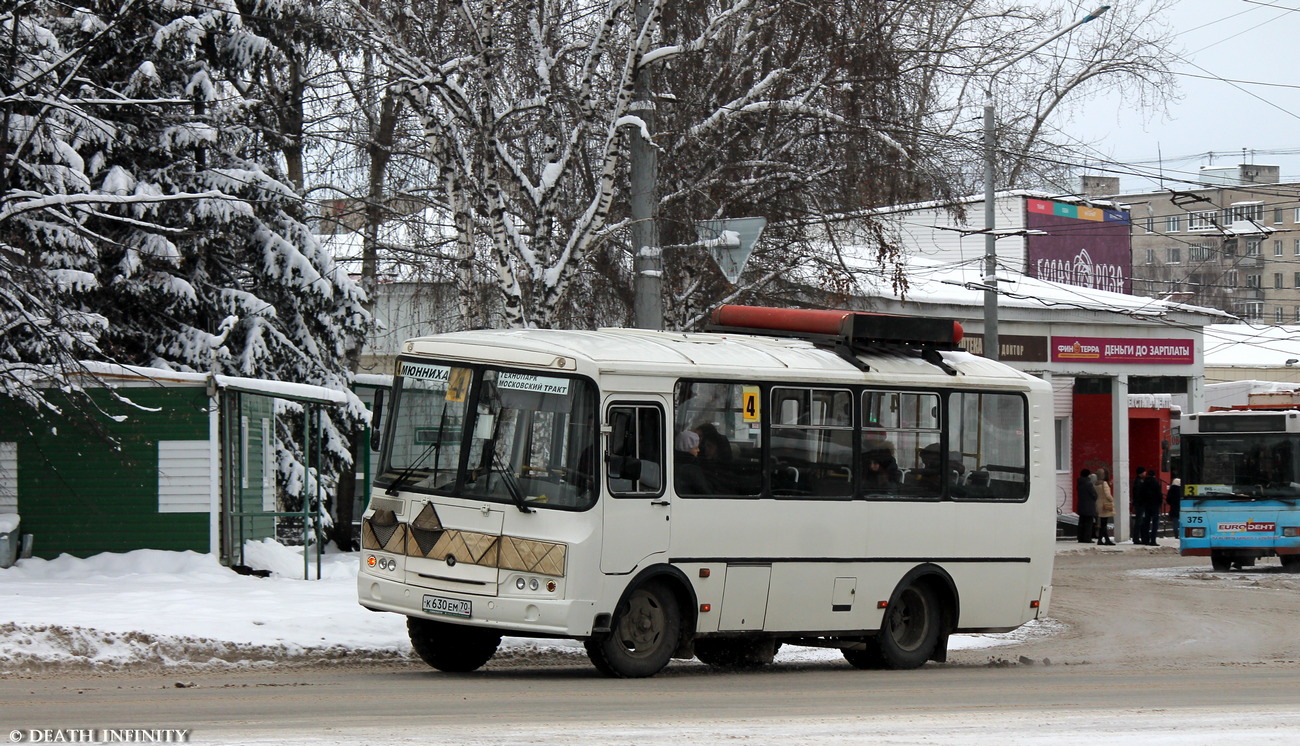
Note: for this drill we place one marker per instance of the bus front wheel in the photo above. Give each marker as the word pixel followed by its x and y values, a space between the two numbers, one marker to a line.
pixel 1290 562
pixel 643 637
pixel 910 631
pixel 453 648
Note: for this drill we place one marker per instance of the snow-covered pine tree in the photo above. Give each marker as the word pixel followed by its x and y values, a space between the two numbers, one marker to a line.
pixel 192 244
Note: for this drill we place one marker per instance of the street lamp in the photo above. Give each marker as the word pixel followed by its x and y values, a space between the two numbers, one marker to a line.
pixel 991 348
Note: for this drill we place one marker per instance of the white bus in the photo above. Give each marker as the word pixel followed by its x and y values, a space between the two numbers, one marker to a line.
pixel 820 478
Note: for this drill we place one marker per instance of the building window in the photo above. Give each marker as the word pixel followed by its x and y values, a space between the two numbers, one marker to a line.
pixel 1296 245
pixel 1277 315
pixel 1197 253
pixel 1173 224
pixel 1297 314
pixel 1150 224
pixel 1252 247
pixel 1277 280
pixel 1277 248
pixel 1297 279
pixel 1230 247
pixel 1151 256
pixel 1204 221
pixel 1252 281
pixel 1174 254
pixel 1278 212
pixel 1195 280
pixel 1296 217
pixel 1252 311
pixel 1062 444
pixel 1242 211
pixel 1230 278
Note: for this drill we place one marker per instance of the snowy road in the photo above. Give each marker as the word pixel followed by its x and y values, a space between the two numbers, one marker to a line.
pixel 1152 649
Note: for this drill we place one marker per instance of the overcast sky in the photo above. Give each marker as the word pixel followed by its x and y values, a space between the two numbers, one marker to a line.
pixel 1221 40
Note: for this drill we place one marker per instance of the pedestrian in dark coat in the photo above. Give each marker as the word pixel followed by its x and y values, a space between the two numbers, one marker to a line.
pixel 1149 497
pixel 1087 494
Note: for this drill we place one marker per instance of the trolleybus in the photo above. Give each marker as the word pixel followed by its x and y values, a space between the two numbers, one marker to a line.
pixel 800 477
pixel 1241 487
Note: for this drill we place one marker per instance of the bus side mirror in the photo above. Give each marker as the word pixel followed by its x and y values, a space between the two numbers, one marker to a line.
pixel 377 421
pixel 624 467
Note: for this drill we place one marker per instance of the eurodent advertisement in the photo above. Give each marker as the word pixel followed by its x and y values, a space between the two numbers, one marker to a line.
pixel 1078 245
pixel 1121 350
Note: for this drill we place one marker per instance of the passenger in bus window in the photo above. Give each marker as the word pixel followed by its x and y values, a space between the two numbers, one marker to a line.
pixel 715 458
pixel 929 478
pixel 689 478
pixel 881 472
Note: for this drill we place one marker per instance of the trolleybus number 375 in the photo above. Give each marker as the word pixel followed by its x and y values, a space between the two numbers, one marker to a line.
pixel 447 606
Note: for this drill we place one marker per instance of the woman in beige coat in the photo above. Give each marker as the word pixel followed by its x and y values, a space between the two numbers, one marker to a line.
pixel 1105 507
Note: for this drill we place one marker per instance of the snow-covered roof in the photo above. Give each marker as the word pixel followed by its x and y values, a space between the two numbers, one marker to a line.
pixel 1246 346
pixel 113 372
pixel 972 200
pixel 962 285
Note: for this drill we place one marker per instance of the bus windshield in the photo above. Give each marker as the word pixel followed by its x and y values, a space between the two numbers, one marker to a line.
pixel 491 434
pixel 1261 465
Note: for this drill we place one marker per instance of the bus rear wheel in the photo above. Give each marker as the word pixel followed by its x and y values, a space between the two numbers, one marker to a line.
pixel 453 648
pixel 1220 561
pixel 736 653
pixel 643 636
pixel 910 630
pixel 1290 562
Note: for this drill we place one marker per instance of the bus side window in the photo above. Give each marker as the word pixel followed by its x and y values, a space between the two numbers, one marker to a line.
pixel 635 458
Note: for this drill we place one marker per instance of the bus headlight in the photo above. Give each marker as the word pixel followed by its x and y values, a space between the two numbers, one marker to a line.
pixel 1291 530
pixel 520 583
pixel 1194 533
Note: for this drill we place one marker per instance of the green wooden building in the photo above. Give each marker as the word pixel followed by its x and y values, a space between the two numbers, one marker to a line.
pixel 148 459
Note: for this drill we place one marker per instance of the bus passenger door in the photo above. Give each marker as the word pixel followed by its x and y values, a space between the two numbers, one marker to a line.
pixel 637 505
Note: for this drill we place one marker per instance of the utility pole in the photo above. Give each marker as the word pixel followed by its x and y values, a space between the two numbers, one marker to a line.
pixel 647 255
pixel 991 348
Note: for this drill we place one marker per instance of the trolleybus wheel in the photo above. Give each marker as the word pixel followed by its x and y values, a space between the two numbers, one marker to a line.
pixel 453 648
pixel 643 636
pixel 1220 561
pixel 1290 562
pixel 736 653
pixel 910 630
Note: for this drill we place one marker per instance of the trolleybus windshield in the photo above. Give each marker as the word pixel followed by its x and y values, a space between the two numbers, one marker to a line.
pixel 1262 465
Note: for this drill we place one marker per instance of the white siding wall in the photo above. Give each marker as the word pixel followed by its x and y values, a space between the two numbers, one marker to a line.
pixel 1063 406
pixel 184 476
pixel 935 234
pixel 8 477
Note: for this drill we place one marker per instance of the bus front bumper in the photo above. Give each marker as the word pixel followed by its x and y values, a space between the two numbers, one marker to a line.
pixel 522 616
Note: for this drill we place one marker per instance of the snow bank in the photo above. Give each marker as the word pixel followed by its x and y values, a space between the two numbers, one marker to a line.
pixel 8 522
pixel 151 607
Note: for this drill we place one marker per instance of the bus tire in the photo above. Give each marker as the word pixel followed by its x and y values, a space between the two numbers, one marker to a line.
pixel 868 659
pixel 1220 561
pixel 736 653
pixel 643 634
pixel 909 632
pixel 1290 562
pixel 453 648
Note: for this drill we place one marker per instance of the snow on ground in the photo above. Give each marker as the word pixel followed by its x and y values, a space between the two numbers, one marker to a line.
pixel 154 607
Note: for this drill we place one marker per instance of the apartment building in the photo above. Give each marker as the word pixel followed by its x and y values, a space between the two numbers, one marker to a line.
pixel 1233 244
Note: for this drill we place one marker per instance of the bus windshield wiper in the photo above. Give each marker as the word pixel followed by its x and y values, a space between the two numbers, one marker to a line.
pixel 512 485
pixel 406 474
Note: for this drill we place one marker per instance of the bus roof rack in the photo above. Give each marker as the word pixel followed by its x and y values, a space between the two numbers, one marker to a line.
pixel 846 333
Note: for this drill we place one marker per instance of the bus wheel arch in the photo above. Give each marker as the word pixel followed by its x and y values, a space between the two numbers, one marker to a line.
pixel 653 621
pixel 922 612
